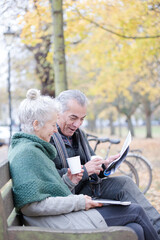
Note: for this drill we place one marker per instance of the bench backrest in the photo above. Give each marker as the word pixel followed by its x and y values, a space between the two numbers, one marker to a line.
pixel 8 216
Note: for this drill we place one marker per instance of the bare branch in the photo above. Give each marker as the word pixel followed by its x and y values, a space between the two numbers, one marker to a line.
pixel 113 32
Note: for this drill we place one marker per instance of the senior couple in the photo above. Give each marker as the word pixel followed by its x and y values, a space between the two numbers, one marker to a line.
pixel 57 199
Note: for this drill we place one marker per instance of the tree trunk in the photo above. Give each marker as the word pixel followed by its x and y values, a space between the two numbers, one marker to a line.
pixel 148 126
pixel 59 47
pixel 112 128
pixel 44 69
pixel 148 113
pixel 130 125
pixel 100 126
pixel 92 125
pixel 119 125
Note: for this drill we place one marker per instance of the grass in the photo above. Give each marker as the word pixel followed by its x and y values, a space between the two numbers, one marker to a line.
pixel 140 132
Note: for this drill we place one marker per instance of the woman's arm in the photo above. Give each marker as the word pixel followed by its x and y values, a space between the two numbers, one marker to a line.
pixel 55 206
pixel 59 205
pixel 68 182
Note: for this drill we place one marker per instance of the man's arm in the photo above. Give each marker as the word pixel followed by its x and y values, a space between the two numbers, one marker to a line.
pixel 62 170
pixel 97 165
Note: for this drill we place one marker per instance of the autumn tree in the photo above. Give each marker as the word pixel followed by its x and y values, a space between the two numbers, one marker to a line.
pixel 37 36
pixel 122 36
pixel 109 48
pixel 44 69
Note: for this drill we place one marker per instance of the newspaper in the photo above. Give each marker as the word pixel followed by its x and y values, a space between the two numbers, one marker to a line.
pixel 123 153
pixel 111 202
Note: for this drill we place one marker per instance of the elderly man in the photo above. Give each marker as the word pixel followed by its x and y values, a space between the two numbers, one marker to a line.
pixel 71 141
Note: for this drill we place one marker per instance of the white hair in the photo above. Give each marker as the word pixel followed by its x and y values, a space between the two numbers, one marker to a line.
pixel 36 107
pixel 64 97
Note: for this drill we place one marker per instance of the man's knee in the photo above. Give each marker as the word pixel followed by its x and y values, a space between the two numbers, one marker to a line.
pixel 125 180
pixel 126 188
pixel 137 209
pixel 127 183
pixel 116 187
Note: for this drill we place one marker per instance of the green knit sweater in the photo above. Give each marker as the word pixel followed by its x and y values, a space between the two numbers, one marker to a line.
pixel 33 173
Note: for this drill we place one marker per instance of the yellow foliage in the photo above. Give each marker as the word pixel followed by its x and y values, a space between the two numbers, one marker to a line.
pixel 35 21
pixel 49 57
pixel 101 61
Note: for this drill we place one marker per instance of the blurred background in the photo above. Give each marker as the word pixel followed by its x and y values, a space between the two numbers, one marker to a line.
pixel 108 49
pixel 112 54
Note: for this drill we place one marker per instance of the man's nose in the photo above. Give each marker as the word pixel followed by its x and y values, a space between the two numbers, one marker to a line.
pixel 77 123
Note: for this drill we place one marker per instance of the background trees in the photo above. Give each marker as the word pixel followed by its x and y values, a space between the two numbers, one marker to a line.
pixel 121 51
pixel 111 51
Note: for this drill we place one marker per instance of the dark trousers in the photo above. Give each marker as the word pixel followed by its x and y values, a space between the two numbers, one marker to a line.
pixel 124 189
pixel 132 216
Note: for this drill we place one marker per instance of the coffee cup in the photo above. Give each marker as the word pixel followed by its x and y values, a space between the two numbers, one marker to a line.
pixel 74 164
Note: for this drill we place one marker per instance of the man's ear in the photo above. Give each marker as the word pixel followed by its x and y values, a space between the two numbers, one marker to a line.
pixel 36 125
pixel 58 117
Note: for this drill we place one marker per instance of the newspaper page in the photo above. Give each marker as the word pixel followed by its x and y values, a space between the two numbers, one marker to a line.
pixel 123 153
pixel 111 202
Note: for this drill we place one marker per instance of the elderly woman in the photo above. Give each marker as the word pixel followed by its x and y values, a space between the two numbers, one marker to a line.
pixel 41 195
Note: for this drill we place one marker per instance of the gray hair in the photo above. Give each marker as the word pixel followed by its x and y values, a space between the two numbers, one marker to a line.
pixel 64 97
pixel 36 107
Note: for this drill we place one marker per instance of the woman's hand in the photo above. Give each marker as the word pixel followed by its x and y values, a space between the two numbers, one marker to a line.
pixel 75 178
pixel 90 203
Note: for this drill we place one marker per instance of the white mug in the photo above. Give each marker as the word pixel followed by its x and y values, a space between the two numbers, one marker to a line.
pixel 74 164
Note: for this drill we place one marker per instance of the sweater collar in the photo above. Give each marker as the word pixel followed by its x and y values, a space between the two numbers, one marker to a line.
pixel 21 137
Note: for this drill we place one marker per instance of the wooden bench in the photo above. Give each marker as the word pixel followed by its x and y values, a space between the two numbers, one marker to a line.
pixel 11 226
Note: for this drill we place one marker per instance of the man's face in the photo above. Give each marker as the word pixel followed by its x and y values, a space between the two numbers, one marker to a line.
pixel 70 120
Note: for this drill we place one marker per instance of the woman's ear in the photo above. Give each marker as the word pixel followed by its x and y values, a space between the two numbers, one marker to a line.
pixel 36 125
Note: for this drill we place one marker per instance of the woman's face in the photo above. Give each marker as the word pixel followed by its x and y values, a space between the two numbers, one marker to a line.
pixel 47 130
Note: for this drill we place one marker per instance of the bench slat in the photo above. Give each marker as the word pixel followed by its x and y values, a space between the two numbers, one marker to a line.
pixel 3 224
pixel 6 189
pixel 36 233
pixel 4 173
pixel 11 218
pixel 7 196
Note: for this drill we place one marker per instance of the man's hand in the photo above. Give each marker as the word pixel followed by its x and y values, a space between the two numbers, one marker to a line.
pixel 75 178
pixel 111 159
pixel 90 203
pixel 94 165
